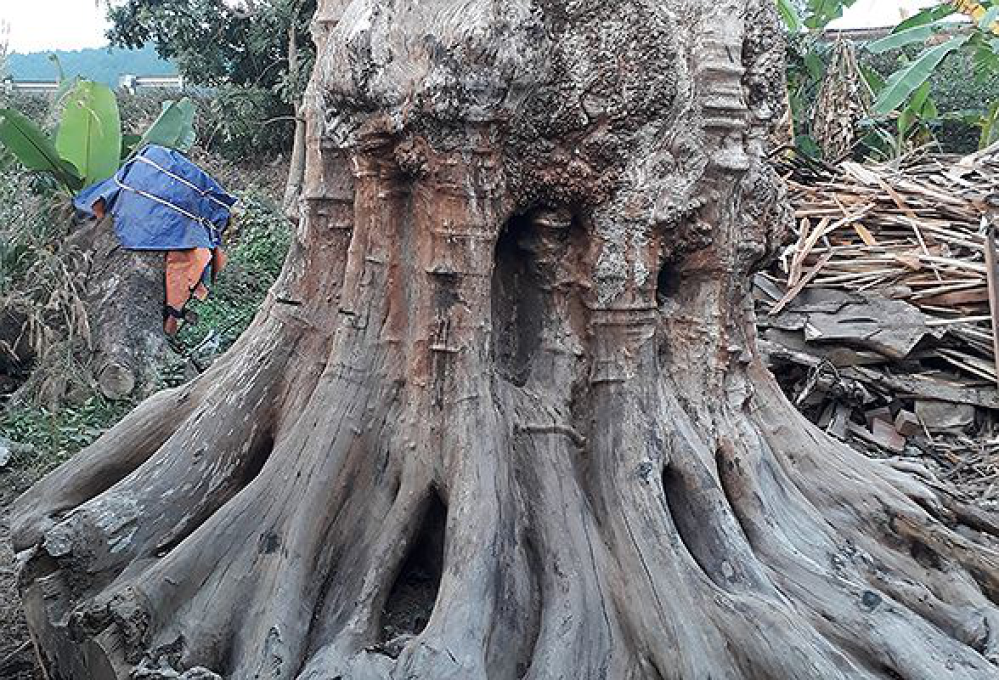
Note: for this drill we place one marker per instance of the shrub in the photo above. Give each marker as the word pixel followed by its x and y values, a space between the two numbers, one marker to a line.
pixel 257 248
pixel 245 122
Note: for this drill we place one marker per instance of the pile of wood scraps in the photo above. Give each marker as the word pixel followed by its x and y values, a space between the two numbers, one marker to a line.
pixel 880 319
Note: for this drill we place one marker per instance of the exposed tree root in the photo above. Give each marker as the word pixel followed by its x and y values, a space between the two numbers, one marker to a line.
pixel 566 547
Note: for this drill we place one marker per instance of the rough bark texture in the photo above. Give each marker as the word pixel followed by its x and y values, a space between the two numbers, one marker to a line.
pixel 297 165
pixel 290 201
pixel 124 303
pixel 503 414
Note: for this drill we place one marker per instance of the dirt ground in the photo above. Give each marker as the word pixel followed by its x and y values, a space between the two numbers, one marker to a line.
pixel 17 658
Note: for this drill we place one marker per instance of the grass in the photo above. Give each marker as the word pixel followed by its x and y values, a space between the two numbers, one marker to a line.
pixel 48 437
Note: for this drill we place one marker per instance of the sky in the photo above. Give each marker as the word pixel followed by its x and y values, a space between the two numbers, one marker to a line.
pixel 868 13
pixel 39 25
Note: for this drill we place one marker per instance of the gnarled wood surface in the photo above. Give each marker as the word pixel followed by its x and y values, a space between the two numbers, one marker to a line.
pixel 503 415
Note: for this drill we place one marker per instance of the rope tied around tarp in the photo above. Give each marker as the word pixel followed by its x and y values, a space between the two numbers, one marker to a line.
pixel 204 192
pixel 213 230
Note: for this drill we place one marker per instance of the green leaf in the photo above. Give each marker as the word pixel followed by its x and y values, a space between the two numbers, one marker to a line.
pixel 129 144
pixel 34 149
pixel 920 108
pixel 814 65
pixel 989 127
pixel 807 146
pixel 985 59
pixel 919 97
pixel 926 16
pixel 903 82
pixel 66 85
pixel 874 79
pixel 907 37
pixel 90 134
pixel 905 120
pixel 990 18
pixel 929 111
pixel 822 12
pixel 174 128
pixel 187 137
pixel 790 15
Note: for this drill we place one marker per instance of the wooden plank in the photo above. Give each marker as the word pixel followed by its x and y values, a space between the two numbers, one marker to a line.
pixel 797 288
pixel 992 284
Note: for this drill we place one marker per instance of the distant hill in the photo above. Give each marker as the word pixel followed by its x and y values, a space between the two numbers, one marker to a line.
pixel 102 64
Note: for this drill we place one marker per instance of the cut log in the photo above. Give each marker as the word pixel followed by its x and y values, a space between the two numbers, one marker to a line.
pixel 124 296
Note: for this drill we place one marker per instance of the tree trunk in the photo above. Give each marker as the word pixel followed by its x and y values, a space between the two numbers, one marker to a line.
pixel 296 169
pixel 503 415
pixel 109 310
pixel 297 166
pixel 124 296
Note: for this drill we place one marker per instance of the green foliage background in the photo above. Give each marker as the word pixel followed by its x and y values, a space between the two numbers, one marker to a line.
pixel 257 249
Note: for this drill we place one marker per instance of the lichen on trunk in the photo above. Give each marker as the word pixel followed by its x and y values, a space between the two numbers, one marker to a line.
pixel 509 376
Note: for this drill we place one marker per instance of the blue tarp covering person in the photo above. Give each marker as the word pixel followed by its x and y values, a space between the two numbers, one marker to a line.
pixel 160 200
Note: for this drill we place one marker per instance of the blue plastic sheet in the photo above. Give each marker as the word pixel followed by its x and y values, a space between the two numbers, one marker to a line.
pixel 162 201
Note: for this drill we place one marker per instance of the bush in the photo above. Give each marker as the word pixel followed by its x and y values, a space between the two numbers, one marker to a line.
pixel 245 122
pixel 38 306
pixel 954 90
pixel 257 248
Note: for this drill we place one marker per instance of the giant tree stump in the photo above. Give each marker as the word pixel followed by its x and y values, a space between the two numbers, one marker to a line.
pixel 503 415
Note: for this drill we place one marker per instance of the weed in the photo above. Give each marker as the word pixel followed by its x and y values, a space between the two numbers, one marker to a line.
pixel 40 302
pixel 47 437
pixel 257 248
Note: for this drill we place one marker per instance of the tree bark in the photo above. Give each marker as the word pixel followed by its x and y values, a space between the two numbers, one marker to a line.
pixel 297 166
pixel 296 169
pixel 124 297
pixel 503 415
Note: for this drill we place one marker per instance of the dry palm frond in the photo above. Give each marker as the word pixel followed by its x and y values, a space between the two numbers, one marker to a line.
pixel 41 300
pixel 844 99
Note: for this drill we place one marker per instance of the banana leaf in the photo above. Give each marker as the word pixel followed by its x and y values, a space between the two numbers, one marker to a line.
pixel 988 127
pixel 920 108
pixel 790 15
pixel 905 37
pixel 989 20
pixel 90 134
pixel 129 144
pixel 925 16
pixel 901 84
pixel 822 12
pixel 174 128
pixel 34 150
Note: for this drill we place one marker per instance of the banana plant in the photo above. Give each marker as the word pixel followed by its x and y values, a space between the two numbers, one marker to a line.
pixel 905 90
pixel 89 145
pixel 807 57
pixel 35 150
pixel 90 132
